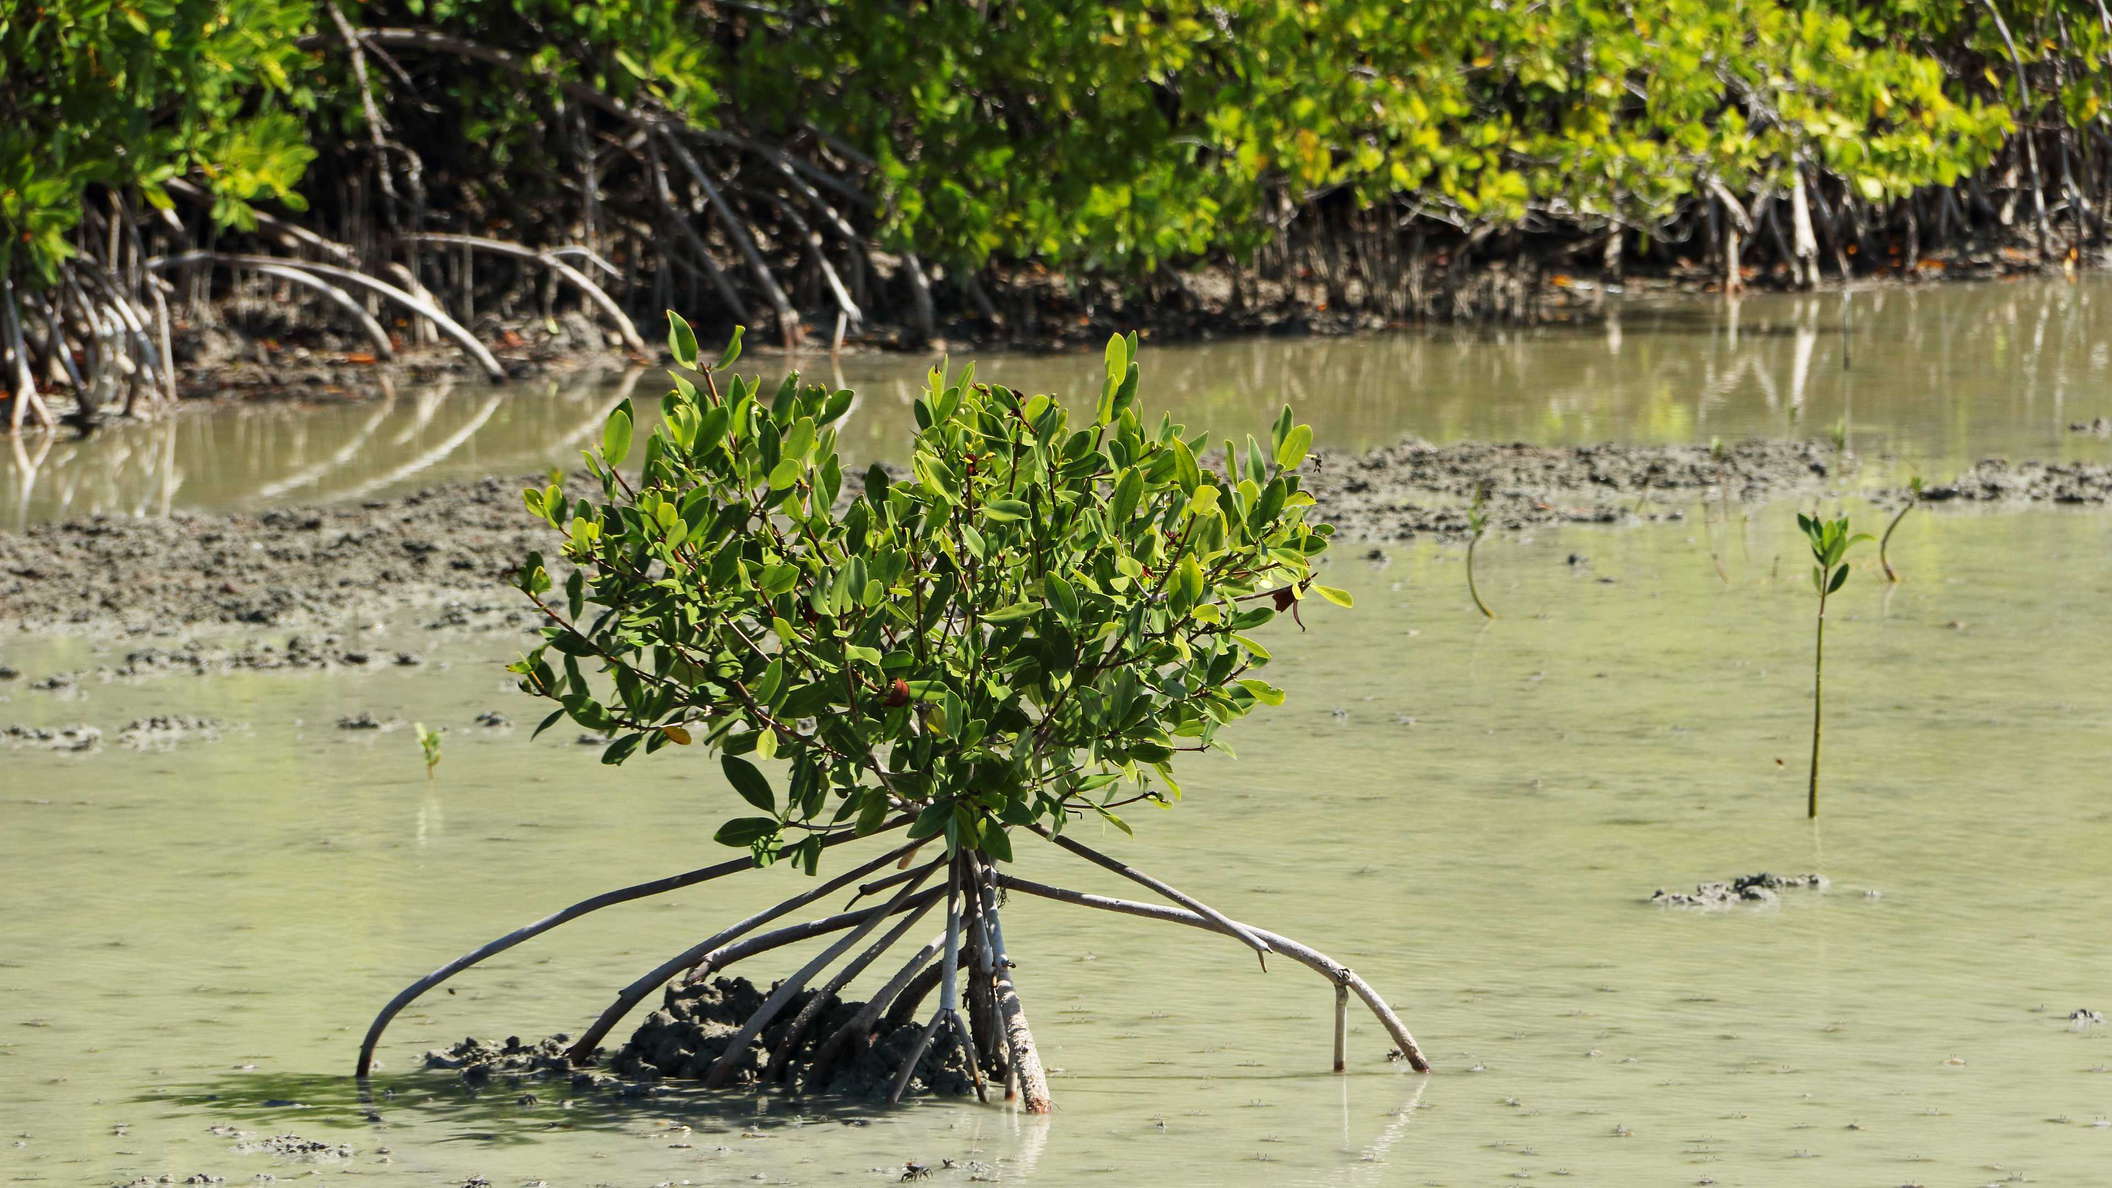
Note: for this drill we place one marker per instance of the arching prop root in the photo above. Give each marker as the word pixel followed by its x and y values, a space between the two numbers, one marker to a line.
pixel 801 1035
pixel 595 903
pixel 1335 972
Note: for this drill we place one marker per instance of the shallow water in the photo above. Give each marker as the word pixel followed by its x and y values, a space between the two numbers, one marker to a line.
pixel 1469 813
pixel 1941 376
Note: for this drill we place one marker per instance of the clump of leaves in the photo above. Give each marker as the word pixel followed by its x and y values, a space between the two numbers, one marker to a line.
pixel 1830 541
pixel 429 745
pixel 1026 626
pixel 1884 544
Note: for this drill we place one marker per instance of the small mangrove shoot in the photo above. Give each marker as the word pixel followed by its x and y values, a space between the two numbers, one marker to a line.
pixel 1477 524
pixel 1830 541
pixel 429 745
pixel 1884 544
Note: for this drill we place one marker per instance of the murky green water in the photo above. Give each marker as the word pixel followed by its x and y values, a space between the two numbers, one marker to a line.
pixel 1468 813
pixel 1942 375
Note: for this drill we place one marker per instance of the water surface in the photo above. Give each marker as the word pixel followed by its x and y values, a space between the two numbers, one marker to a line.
pixel 1471 814
pixel 1938 377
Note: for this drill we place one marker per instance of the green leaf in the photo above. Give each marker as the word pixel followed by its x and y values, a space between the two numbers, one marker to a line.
pixel 732 351
pixel 1013 613
pixel 743 832
pixel 1335 595
pixel 1263 692
pixel 1062 595
pixel 616 436
pixel 1129 489
pixel 1840 578
pixel 749 782
pixel 681 340
pixel 1006 510
pixel 1291 451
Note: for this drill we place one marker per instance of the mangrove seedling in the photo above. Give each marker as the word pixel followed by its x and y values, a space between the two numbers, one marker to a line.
pixel 1830 541
pixel 429 744
pixel 1884 544
pixel 1022 629
pixel 1477 524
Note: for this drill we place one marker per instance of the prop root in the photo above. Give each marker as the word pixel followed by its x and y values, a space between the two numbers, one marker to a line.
pixel 1334 971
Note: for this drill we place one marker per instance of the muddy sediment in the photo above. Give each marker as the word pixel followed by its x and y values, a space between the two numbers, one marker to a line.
pixel 451 549
pixel 1418 489
pixel 1996 480
pixel 681 1041
pixel 1753 890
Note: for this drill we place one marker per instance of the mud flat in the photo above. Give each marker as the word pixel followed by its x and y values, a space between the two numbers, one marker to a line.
pixel 449 550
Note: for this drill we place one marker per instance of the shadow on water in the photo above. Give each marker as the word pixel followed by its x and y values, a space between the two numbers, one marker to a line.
pixel 508 1109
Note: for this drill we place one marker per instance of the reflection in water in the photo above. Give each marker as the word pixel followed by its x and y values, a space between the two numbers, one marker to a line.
pixel 256 455
pixel 1939 376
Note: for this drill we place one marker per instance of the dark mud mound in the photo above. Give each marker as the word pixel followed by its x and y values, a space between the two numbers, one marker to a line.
pixel 680 1041
pixel 1996 480
pixel 1415 488
pixel 1743 890
pixel 691 1031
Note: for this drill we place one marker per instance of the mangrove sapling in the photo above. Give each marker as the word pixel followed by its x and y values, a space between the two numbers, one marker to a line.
pixel 1884 543
pixel 1830 541
pixel 429 745
pixel 1477 524
pixel 1024 628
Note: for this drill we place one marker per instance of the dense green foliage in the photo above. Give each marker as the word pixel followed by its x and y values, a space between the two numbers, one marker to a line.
pixel 1027 627
pixel 777 148
pixel 122 97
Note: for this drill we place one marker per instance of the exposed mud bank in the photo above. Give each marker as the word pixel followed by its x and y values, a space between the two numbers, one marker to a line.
pixel 303 565
pixel 448 551
pixel 1997 480
pixel 1417 489
pixel 680 1042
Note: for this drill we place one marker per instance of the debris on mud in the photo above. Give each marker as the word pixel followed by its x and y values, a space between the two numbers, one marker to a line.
pixel 1742 890
pixel 161 731
pixel 79 737
pixel 364 720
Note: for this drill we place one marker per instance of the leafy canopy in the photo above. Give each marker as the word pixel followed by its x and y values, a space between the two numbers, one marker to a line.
pixel 1026 627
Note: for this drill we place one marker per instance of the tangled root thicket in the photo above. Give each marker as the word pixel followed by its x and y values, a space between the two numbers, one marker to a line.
pixel 689 1032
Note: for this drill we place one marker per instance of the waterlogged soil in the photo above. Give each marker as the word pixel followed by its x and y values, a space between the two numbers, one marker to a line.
pixel 453 547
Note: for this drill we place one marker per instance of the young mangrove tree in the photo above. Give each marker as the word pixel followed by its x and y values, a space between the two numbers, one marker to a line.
pixel 1023 630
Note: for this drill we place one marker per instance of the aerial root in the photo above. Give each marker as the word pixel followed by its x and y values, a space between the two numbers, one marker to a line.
pixel 712 949
pixel 1218 920
pixel 1334 971
pixel 867 921
pixel 595 903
